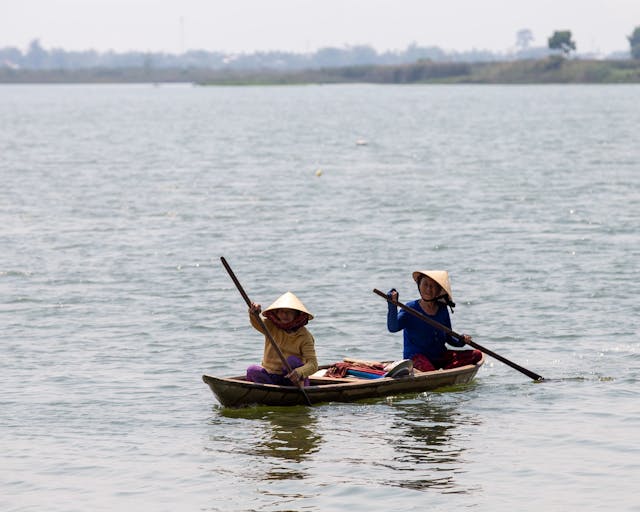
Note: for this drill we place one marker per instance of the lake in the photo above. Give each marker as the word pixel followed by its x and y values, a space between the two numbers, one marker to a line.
pixel 117 202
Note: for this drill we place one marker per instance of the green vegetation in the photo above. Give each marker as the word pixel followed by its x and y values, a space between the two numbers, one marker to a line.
pixel 555 69
pixel 634 42
pixel 561 40
pixel 550 70
pixel 558 70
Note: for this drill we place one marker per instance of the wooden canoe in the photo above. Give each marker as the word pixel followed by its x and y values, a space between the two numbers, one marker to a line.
pixel 238 392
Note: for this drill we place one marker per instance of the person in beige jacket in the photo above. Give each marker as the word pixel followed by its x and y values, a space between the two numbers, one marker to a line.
pixel 285 319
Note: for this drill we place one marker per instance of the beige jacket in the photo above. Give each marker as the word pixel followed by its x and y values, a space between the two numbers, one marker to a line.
pixel 299 343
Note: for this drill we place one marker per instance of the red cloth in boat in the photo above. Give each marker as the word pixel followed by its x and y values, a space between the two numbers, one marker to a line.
pixel 341 368
pixel 451 359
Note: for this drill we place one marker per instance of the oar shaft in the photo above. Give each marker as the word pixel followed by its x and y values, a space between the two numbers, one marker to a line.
pixel 261 322
pixel 257 315
pixel 444 328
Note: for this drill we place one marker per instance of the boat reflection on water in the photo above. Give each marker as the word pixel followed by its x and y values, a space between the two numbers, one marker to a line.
pixel 430 444
pixel 293 436
pixel 412 442
pixel 285 437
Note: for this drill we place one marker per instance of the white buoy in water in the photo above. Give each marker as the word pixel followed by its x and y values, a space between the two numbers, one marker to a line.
pixel 319 172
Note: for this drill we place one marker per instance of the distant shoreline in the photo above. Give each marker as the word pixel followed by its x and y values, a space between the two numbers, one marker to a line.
pixel 551 70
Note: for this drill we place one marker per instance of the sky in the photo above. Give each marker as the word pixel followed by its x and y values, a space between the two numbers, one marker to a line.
pixel 304 26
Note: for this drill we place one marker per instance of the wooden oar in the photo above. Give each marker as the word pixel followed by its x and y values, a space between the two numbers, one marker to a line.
pixel 444 328
pixel 264 327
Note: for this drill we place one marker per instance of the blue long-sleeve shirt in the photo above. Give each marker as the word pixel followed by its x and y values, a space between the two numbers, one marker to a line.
pixel 419 336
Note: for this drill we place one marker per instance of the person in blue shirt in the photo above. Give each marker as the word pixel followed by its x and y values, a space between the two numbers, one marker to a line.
pixel 424 344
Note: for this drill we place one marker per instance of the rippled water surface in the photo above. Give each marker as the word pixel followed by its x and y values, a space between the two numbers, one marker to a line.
pixel 118 201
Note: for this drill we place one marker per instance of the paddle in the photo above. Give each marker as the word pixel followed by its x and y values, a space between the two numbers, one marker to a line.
pixel 262 324
pixel 444 328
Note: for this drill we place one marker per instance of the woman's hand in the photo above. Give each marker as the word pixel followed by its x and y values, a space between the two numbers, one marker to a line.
pixel 294 377
pixel 393 294
pixel 255 309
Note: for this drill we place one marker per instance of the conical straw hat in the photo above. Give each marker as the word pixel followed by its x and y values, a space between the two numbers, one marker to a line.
pixel 439 276
pixel 290 301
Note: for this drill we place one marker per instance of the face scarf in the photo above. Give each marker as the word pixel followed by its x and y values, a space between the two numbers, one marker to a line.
pixel 300 320
pixel 440 299
pixel 443 299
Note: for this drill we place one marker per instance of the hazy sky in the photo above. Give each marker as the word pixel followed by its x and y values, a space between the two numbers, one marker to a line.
pixel 306 25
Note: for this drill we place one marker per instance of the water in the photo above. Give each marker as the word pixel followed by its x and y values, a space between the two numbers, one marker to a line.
pixel 117 202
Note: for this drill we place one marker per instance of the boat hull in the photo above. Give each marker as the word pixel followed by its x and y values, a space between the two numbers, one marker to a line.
pixel 238 392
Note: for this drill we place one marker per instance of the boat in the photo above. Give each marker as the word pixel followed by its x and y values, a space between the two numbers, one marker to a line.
pixel 238 392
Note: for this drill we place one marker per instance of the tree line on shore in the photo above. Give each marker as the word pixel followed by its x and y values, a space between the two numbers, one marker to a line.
pixel 36 57
pixel 551 64
pixel 554 69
